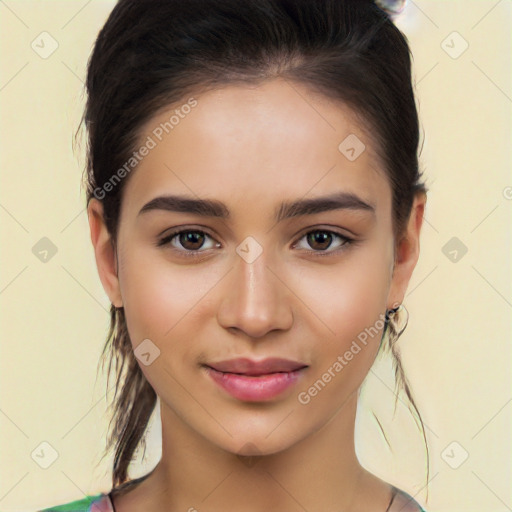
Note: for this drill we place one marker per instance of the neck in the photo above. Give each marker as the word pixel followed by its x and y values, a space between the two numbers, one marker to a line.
pixel 320 472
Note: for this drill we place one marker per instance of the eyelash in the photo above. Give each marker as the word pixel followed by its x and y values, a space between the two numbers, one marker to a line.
pixel 347 242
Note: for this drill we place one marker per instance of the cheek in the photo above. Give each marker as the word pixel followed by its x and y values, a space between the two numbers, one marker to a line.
pixel 349 296
pixel 363 296
pixel 350 300
pixel 161 300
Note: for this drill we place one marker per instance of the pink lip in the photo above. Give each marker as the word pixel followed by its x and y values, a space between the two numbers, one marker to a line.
pixel 255 381
pixel 250 367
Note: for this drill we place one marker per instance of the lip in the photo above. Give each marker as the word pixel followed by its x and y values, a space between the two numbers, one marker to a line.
pixel 255 381
pixel 254 368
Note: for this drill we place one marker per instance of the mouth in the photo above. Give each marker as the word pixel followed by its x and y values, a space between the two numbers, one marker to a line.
pixel 243 366
pixel 255 381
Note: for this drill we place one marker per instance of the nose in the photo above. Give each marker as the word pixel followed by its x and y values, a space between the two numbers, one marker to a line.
pixel 255 299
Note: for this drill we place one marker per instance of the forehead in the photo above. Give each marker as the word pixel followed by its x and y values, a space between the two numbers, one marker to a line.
pixel 268 142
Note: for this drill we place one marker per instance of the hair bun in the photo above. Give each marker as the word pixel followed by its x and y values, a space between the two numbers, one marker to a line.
pixel 391 6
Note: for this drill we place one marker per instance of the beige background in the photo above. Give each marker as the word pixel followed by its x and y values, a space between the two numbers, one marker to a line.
pixel 456 349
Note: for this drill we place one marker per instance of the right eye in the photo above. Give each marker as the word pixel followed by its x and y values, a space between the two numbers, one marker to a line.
pixel 190 241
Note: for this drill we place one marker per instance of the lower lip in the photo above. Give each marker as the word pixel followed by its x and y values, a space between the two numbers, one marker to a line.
pixel 255 389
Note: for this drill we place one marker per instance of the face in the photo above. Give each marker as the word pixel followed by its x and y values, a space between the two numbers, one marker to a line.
pixel 250 276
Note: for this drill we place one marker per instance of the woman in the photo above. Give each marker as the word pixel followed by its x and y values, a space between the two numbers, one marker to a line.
pixel 255 207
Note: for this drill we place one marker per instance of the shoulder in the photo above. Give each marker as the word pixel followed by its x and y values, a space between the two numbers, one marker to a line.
pixel 402 502
pixel 96 503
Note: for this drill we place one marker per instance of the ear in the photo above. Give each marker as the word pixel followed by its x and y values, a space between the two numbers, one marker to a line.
pixel 407 252
pixel 104 251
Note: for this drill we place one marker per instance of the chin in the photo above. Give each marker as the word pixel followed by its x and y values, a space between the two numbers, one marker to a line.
pixel 256 443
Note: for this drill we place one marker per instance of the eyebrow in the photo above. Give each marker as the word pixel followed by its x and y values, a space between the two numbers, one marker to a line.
pixel 214 208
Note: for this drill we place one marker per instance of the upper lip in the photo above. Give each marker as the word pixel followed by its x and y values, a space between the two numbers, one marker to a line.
pixel 251 367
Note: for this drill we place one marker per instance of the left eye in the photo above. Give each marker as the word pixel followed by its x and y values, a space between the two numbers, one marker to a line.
pixel 324 237
pixel 193 240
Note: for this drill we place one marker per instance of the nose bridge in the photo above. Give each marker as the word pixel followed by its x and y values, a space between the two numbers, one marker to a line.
pixel 255 300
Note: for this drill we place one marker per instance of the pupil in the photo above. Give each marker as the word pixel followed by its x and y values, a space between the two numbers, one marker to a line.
pixel 320 237
pixel 191 237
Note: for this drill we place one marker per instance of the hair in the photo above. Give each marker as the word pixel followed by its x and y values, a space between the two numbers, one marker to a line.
pixel 151 54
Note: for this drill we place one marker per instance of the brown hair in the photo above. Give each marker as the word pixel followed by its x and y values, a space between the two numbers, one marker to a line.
pixel 151 54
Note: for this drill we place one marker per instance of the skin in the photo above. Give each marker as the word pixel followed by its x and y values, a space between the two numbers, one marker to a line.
pixel 253 147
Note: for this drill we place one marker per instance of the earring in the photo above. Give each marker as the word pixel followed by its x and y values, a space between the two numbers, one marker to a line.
pixel 397 320
pixel 390 313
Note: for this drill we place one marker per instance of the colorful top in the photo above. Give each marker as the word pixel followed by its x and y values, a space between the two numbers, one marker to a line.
pixel 97 503
pixel 103 503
